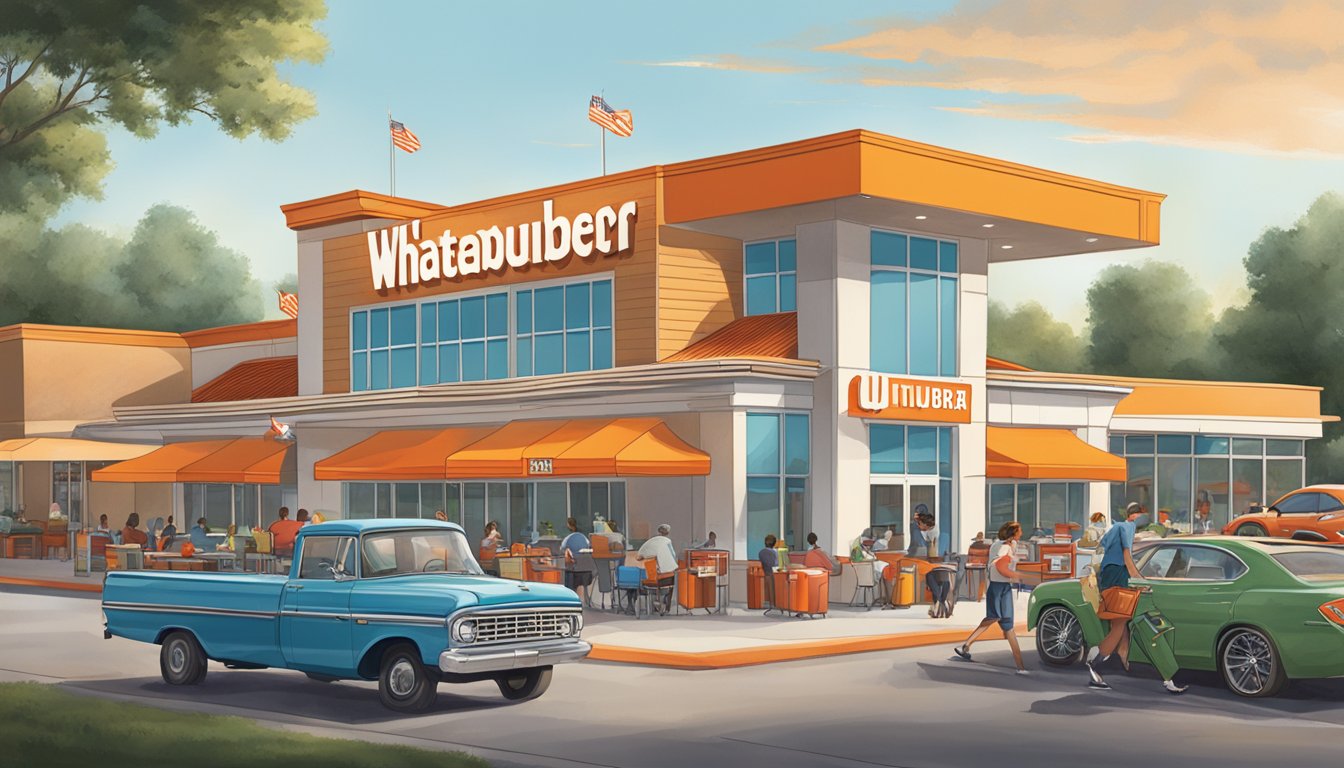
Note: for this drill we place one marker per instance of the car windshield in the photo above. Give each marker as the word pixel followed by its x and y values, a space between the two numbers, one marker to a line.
pixel 1313 564
pixel 424 551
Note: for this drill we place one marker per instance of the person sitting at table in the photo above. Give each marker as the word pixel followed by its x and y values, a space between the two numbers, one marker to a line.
pixel 924 538
pixel 492 537
pixel 660 549
pixel 614 536
pixel 167 535
pixel 301 517
pixel 574 544
pixel 817 557
pixel 710 542
pixel 102 525
pixel 131 534
pixel 200 538
pixel 283 533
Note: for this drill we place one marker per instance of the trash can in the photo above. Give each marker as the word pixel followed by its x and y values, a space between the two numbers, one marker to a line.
pixel 903 591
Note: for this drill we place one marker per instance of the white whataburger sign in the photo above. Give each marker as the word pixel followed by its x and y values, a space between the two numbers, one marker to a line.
pixel 398 257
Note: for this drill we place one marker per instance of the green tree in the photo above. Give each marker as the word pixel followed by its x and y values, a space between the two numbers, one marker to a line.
pixel 1149 320
pixel 1028 335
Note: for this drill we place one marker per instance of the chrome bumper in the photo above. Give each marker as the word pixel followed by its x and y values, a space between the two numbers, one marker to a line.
pixel 467 660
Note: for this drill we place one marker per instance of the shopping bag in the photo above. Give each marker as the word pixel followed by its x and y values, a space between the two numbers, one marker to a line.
pixel 1088 584
pixel 1119 603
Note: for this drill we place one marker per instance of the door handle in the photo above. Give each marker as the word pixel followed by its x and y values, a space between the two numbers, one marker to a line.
pixel 341 618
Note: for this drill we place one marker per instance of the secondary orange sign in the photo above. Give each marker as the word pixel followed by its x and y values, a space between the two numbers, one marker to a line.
pixel 879 396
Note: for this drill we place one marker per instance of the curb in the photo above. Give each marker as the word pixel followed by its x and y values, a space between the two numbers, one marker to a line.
pixel 46 584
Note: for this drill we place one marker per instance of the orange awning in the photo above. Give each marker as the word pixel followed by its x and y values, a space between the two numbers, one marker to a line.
pixel 240 460
pixel 1047 454
pixel 398 454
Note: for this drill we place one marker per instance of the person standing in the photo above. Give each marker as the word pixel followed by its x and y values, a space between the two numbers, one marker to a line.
pixel 999 598
pixel 492 537
pixel 574 544
pixel 1203 507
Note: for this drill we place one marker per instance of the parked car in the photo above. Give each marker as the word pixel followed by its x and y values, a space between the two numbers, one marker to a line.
pixel 1314 513
pixel 1258 611
pixel 403 602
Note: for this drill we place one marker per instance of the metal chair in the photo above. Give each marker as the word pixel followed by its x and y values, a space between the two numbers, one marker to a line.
pixel 584 563
pixel 606 585
pixel 977 570
pixel 864 581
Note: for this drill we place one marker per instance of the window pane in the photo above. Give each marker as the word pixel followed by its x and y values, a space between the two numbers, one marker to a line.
pixel 618 505
pixel 359 372
pixel 359 330
pixel 1139 445
pixel 550 354
pixel 887 331
pixel 429 365
pixel 923 448
pixel 601 349
pixel 523 312
pixel 1027 508
pixel 473 317
pixel 549 309
pixel 431 501
pixel 1247 446
pixel 1174 444
pixel 473 510
pixel 762 444
pixel 923 253
pixel 497 314
pixel 923 325
pixel 577 311
pixel 1283 447
pixel 944 515
pixel 524 354
pixel 1211 491
pixel 797 520
pixel 1077 508
pixel 1246 484
pixel 788 255
pixel 1054 506
pixel 378 328
pixel 429 323
pixel 382 499
pixel 761 295
pixel 947 257
pixel 552 505
pixel 578 353
pixel 473 361
pixel 1000 508
pixel 403 367
pixel 407 498
pixel 796 456
pixel 788 293
pixel 1140 486
pixel 1211 446
pixel 947 332
pixel 378 369
pixel 1282 476
pixel 1117 445
pixel 602 304
pixel 497 359
pixel 448 370
pixel 448 321
pixel 944 452
pixel 523 526
pixel 888 249
pixel 403 325
pixel 886 507
pixel 1173 492
pixel 886 449
pixel 760 259
pixel 762 511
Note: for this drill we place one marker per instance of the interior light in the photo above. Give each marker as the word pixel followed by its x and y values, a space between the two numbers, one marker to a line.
pixel 987 226
pixel 1091 239
pixel 1006 247
pixel 921 218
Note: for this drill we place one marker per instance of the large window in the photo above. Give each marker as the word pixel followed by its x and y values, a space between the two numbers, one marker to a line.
pixel 913 305
pixel 778 465
pixel 67 488
pixel 897 449
pixel 770 271
pixel 1038 506
pixel 222 504
pixel 563 328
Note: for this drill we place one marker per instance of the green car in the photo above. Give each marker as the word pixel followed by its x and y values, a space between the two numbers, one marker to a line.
pixel 1259 611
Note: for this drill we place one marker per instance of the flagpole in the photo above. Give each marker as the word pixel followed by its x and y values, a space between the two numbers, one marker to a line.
pixel 391 158
pixel 604 149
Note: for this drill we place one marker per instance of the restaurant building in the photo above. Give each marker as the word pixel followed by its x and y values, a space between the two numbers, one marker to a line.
pixel 784 340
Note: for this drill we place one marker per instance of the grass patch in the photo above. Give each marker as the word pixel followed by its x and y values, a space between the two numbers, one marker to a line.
pixel 41 725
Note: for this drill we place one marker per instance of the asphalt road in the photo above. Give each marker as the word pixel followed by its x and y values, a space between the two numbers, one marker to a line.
pixel 912 709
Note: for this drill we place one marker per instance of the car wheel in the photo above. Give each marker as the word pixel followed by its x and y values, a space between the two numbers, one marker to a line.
pixel 523 686
pixel 404 683
pixel 1059 637
pixel 1251 529
pixel 1250 664
pixel 316 678
pixel 181 659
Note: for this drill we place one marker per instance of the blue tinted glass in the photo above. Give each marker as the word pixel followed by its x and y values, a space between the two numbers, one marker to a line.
pixel 497 314
pixel 1205 446
pixel 548 309
pixel 578 353
pixel 788 255
pixel 924 325
pixel 761 295
pixel 888 249
pixel 947 257
pixel 944 515
pixel 1247 446
pixel 1177 444
pixel 403 367
pixel 378 369
pixel 523 312
pixel 403 325
pixel 497 359
pixel 429 365
pixel 524 361
pixel 1139 445
pixel 762 444
pixel 448 363
pixel 923 253
pixel 761 259
pixel 601 349
pixel 923 447
pixel 947 332
pixel 448 325
pixel 359 330
pixel 1117 445
pixel 602 304
pixel 577 312
pixel 359 372
pixel 473 319
pixel 473 360
pixel 378 328
pixel 886 449
pixel 550 354
pixel 945 455
pixel 887 336
pixel 762 510
pixel 788 300
pixel 429 323
pixel 797 452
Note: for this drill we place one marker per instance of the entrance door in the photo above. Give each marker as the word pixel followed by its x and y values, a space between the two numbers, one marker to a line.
pixel 315 609
pixel 893 505
pixel 923 498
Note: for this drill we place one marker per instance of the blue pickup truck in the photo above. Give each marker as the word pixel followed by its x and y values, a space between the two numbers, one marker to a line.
pixel 403 602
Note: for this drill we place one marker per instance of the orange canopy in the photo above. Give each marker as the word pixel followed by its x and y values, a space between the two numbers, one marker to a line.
pixel 1047 454
pixel 398 454
pixel 240 460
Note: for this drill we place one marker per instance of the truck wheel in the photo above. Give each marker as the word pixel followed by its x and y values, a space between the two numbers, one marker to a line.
pixel 1059 637
pixel 404 683
pixel 1250 664
pixel 524 686
pixel 181 660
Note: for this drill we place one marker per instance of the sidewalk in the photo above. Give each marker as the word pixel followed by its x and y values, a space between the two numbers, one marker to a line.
pixel 48 574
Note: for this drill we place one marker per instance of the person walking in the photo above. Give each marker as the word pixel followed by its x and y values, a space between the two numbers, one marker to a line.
pixel 999 597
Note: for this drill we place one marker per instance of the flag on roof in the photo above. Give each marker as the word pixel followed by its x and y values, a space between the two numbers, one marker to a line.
pixel 403 138
pixel 620 123
pixel 289 303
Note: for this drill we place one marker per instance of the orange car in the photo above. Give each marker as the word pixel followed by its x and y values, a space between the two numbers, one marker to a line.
pixel 1314 513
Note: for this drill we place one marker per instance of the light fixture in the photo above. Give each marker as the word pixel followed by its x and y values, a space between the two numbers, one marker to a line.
pixel 987 226
pixel 921 217
pixel 1091 239
pixel 1006 247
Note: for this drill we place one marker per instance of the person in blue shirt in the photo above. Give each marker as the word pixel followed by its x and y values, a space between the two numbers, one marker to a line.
pixel 573 544
pixel 199 538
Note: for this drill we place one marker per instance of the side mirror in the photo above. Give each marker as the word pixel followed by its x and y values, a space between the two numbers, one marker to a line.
pixel 1275 510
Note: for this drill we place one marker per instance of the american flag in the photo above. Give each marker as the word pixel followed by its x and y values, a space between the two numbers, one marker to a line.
pixel 619 123
pixel 289 304
pixel 403 138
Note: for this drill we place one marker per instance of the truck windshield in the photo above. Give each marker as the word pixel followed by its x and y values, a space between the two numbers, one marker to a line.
pixel 429 551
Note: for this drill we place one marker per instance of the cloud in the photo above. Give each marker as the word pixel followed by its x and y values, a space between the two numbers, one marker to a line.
pixel 1260 76
pixel 733 63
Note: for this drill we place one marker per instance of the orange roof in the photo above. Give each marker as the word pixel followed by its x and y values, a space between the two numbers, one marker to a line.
pixel 398 454
pixel 997 364
pixel 353 206
pixel 1222 399
pixel 266 330
pixel 252 380
pixel 1047 454
pixel 241 460
pixel 767 336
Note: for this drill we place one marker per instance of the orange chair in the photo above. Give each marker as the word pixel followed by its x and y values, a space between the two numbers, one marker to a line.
pixel 54 538
pixel 653 584
pixel 755 586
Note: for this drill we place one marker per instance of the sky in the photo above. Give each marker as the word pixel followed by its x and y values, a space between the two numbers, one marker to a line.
pixel 1232 109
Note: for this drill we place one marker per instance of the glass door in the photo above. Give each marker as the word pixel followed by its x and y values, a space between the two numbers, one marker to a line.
pixel 893 504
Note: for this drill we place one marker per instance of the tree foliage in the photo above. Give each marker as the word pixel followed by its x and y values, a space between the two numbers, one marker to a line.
pixel 1029 335
pixel 1149 320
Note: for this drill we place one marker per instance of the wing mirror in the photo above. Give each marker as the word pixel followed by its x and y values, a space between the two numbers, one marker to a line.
pixel 1275 510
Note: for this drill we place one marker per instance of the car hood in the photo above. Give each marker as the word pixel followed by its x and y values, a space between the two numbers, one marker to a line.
pixel 440 594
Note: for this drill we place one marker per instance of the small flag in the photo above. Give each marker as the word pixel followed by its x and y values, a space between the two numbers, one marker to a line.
pixel 403 138
pixel 289 304
pixel 281 431
pixel 620 123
